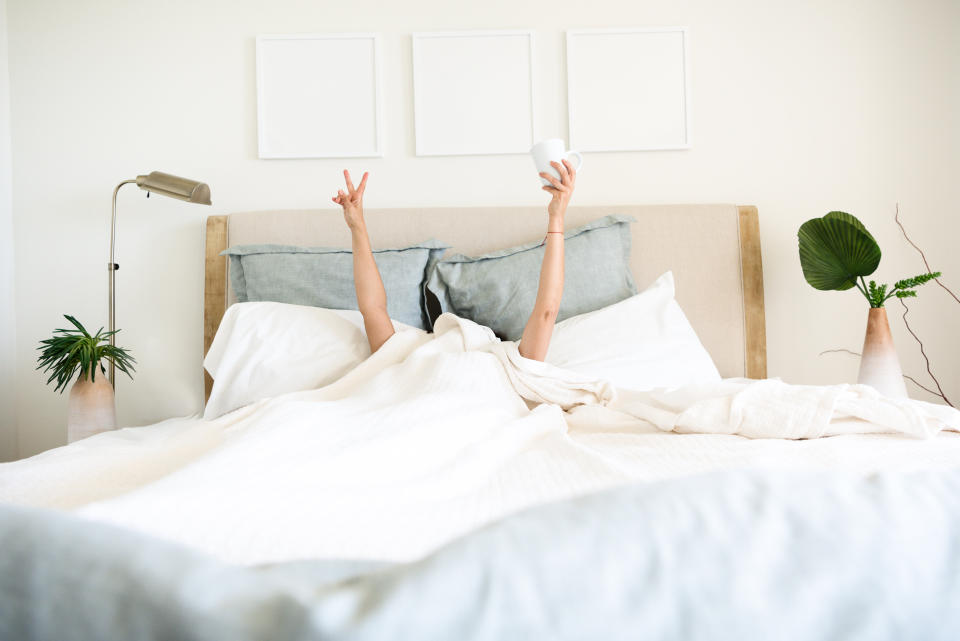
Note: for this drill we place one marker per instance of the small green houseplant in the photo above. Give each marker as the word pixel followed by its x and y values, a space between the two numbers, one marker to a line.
pixel 71 351
pixel 75 353
pixel 837 251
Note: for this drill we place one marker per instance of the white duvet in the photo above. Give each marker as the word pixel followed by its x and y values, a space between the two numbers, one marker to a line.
pixel 435 435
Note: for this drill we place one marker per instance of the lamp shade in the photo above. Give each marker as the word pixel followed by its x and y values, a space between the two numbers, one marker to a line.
pixel 158 182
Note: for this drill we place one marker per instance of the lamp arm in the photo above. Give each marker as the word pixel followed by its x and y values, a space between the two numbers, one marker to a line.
pixel 112 269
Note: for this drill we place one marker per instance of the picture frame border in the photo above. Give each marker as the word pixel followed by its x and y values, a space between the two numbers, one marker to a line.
pixel 419 126
pixel 571 132
pixel 262 142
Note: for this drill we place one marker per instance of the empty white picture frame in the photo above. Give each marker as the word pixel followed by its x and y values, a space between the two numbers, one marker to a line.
pixel 628 89
pixel 473 92
pixel 318 96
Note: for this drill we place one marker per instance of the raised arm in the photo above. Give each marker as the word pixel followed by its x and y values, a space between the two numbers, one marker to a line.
pixel 371 297
pixel 539 328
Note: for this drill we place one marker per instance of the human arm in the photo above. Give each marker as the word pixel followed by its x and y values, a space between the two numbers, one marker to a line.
pixel 371 297
pixel 539 328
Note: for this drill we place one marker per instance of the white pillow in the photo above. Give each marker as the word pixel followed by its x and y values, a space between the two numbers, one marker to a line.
pixel 642 342
pixel 264 349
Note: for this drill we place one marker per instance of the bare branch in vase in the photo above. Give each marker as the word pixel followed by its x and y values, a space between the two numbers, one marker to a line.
pixel 906 310
pixel 896 218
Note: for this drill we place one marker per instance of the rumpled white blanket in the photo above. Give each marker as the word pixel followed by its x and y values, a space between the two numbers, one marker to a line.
pixel 773 409
pixel 766 408
pixel 430 438
pixel 725 556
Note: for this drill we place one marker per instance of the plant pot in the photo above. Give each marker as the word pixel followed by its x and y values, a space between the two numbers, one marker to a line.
pixel 91 408
pixel 879 364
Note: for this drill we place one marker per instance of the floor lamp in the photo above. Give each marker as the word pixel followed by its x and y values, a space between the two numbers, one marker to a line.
pixel 155 182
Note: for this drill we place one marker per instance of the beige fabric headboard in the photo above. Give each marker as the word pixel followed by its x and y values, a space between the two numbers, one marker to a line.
pixel 713 250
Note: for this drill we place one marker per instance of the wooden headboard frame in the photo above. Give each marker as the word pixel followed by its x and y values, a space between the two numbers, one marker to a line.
pixel 751 280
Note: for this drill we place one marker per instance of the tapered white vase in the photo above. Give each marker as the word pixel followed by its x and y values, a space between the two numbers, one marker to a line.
pixel 91 408
pixel 879 364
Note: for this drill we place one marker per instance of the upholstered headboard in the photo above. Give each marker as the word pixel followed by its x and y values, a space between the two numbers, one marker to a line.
pixel 713 250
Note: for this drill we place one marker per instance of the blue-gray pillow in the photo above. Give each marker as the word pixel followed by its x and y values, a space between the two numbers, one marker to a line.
pixel 499 289
pixel 323 277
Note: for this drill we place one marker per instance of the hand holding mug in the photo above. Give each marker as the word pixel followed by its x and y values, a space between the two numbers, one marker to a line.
pixel 547 152
pixel 557 174
pixel 561 189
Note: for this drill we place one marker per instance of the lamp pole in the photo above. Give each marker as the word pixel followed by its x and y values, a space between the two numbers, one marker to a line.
pixel 112 268
pixel 159 183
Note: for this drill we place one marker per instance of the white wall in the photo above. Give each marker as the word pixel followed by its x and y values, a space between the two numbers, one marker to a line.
pixel 798 108
pixel 8 319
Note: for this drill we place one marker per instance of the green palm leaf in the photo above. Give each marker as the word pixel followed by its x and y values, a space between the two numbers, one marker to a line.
pixel 850 218
pixel 836 250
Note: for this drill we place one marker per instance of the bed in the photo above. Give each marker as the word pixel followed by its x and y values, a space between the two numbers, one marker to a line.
pixel 444 489
pixel 714 252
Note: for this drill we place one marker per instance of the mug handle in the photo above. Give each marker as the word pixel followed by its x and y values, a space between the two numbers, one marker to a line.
pixel 579 159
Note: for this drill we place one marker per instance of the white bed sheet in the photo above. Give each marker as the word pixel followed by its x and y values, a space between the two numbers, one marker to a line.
pixel 396 459
pixel 591 455
pixel 560 463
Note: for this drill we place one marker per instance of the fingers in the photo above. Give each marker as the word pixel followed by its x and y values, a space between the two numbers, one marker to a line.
pixel 562 170
pixel 560 187
pixel 568 175
pixel 363 183
pixel 346 175
pixel 553 180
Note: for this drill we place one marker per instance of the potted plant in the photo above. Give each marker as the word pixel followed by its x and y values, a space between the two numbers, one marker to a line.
pixel 837 251
pixel 75 352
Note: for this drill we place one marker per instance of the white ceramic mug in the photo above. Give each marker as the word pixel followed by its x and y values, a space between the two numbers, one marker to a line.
pixel 552 149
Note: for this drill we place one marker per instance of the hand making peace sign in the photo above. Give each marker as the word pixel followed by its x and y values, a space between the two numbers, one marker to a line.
pixel 352 201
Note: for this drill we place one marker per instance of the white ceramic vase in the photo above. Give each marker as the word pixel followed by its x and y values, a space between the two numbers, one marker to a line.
pixel 91 408
pixel 879 364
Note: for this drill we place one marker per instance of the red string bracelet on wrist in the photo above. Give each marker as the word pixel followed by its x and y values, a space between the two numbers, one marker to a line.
pixel 551 232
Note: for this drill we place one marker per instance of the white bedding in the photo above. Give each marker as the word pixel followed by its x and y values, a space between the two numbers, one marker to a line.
pixel 425 441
